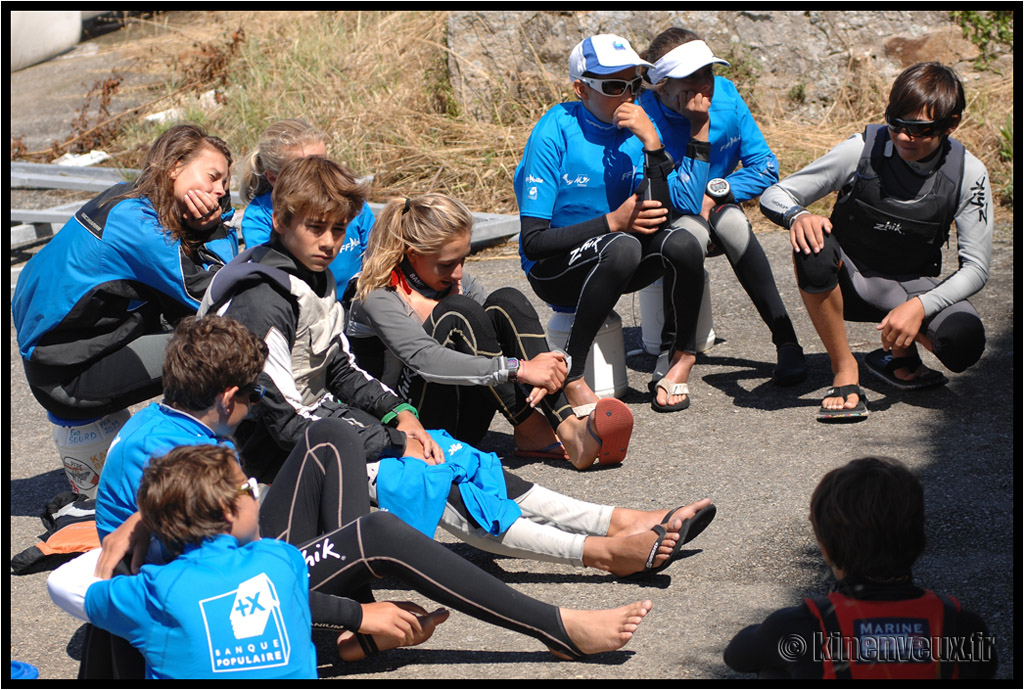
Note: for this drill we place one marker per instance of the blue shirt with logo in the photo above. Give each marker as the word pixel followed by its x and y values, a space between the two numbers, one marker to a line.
pixel 575 168
pixel 219 610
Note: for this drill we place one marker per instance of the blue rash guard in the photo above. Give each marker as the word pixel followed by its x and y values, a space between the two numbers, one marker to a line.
pixel 575 168
pixel 107 278
pixel 734 138
pixel 219 610
pixel 151 432
pixel 258 220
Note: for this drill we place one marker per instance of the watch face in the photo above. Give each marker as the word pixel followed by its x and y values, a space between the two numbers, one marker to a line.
pixel 718 187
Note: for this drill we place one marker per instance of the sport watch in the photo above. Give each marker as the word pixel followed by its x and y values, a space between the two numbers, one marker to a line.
pixel 512 365
pixel 719 190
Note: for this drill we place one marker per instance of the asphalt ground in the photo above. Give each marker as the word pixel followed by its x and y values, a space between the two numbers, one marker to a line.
pixel 755 449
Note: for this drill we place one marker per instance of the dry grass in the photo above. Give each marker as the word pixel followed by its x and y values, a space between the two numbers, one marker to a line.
pixel 377 83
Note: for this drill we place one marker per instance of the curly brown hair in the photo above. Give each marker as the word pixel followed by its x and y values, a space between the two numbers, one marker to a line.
pixel 207 356
pixel 184 494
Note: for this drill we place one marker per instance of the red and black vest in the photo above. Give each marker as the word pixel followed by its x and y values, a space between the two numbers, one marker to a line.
pixel 876 639
pixel 888 218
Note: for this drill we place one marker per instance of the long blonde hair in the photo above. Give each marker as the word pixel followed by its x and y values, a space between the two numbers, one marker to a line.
pixel 424 224
pixel 273 151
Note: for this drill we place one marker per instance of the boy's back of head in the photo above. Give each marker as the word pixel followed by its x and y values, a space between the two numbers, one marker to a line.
pixel 207 356
pixel 184 494
pixel 868 517
pixel 319 188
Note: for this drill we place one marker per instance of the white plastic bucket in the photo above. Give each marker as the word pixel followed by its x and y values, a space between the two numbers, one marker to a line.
pixel 605 371
pixel 82 446
pixel 652 318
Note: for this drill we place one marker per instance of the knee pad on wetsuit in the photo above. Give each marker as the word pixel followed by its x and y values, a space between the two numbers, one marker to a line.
pixel 459 322
pixel 960 341
pixel 730 229
pixel 695 226
pixel 684 251
pixel 817 273
pixel 460 304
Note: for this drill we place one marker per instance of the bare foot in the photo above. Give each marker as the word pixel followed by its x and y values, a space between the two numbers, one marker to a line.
pixel 603 630
pixel 349 648
pixel 847 374
pixel 628 554
pixel 906 373
pixel 678 372
pixel 626 521
pixel 534 434
pixel 580 444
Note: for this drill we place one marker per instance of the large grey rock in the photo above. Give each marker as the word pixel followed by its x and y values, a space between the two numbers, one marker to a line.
pixel 793 63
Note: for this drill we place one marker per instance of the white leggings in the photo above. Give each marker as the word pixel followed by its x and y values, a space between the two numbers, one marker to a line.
pixel 552 528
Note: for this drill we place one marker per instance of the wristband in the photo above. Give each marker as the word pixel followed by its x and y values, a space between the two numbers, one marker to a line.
pixel 401 407
pixel 791 213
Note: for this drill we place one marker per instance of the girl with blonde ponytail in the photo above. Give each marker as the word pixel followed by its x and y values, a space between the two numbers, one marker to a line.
pixel 281 142
pixel 422 324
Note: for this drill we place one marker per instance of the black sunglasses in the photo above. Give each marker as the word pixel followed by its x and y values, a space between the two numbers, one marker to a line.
pixel 255 393
pixel 914 128
pixel 614 87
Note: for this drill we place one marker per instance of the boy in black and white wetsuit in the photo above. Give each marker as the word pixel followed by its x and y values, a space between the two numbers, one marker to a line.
pixel 899 190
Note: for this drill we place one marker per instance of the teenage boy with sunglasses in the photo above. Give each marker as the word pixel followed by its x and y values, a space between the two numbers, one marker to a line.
pixel 590 230
pixel 878 256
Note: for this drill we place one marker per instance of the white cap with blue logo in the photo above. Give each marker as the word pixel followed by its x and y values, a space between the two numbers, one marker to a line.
pixel 603 54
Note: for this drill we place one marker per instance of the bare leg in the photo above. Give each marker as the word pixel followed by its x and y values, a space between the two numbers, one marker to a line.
pixel 605 630
pixel 826 313
pixel 579 393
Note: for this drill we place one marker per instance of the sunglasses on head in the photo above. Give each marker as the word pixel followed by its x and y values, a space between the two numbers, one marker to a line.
pixel 614 87
pixel 251 487
pixel 914 128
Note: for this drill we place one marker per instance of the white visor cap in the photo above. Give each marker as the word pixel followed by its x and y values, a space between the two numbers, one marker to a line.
pixel 682 61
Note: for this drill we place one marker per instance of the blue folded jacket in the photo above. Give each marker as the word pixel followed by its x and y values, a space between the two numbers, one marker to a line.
pixel 417 492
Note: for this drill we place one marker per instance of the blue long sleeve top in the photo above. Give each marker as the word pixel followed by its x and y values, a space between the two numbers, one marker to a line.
pixel 734 138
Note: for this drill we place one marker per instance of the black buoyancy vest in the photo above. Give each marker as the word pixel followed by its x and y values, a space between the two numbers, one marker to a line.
pixel 892 220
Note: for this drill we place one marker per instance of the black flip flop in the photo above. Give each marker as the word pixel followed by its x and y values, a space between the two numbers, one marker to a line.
pixel 689 530
pixel 883 365
pixel 856 414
